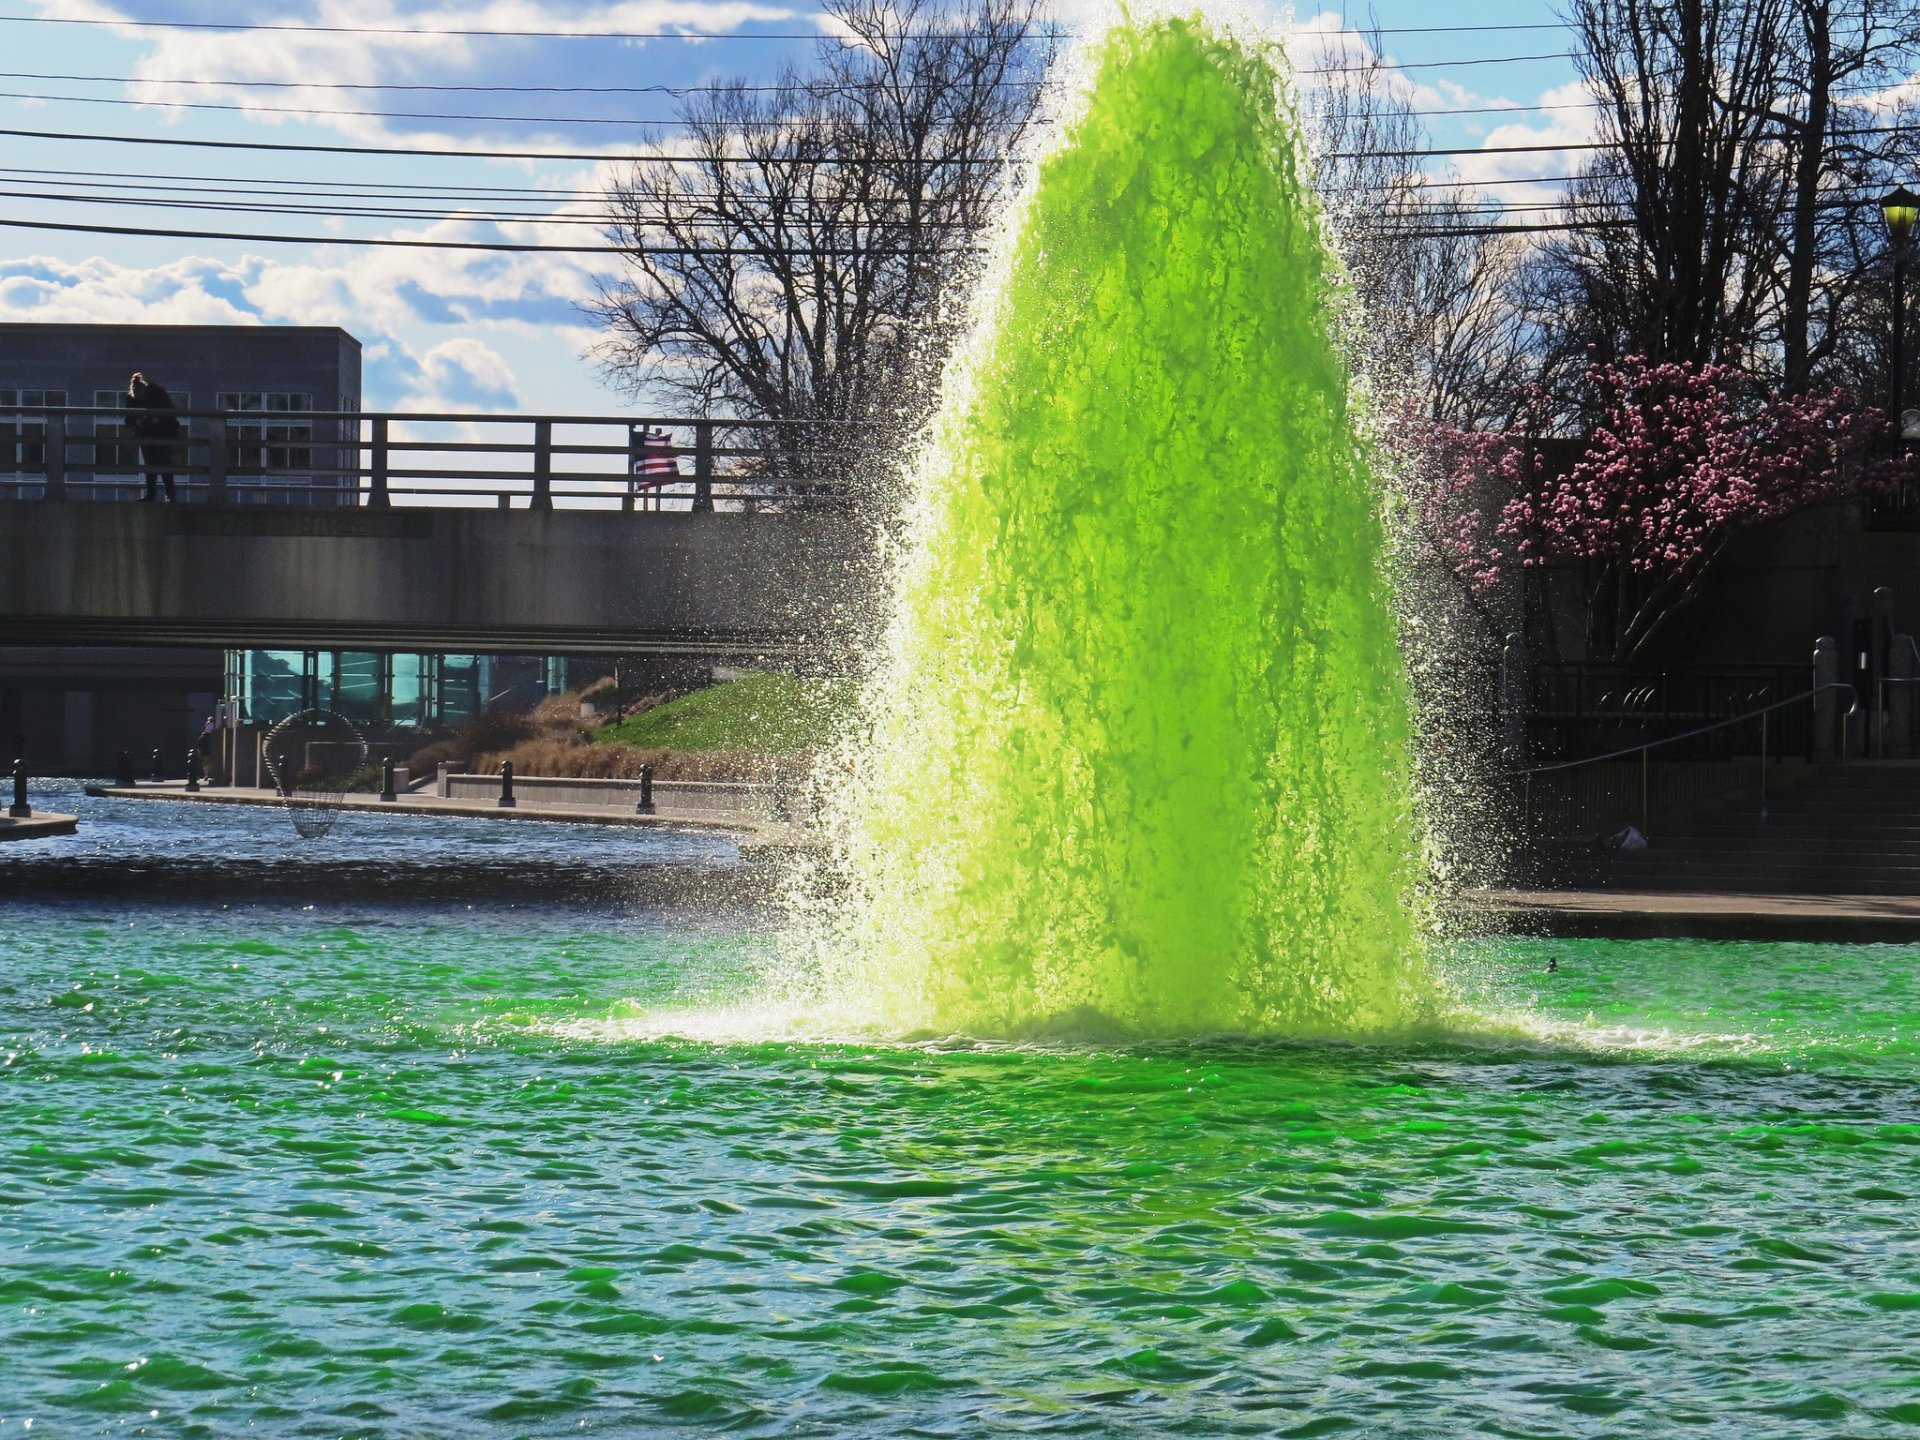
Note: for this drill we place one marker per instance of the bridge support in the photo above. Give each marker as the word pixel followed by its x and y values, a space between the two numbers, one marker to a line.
pixel 377 496
pixel 56 457
pixel 542 466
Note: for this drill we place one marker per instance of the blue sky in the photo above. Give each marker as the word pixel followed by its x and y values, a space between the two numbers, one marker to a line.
pixel 471 330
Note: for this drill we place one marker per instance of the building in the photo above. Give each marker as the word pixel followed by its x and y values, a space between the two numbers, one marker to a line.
pixel 396 693
pixel 267 382
pixel 281 392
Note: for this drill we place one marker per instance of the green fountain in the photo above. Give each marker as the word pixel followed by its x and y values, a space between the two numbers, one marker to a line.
pixel 1138 759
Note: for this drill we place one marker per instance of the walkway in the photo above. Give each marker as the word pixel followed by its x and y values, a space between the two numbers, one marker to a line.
pixel 38 827
pixel 1628 914
pixel 755 833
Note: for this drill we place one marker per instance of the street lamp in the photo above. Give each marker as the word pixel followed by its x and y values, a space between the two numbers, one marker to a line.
pixel 1900 209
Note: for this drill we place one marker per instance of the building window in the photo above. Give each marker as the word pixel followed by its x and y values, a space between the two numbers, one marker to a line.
pixel 268 440
pixel 23 438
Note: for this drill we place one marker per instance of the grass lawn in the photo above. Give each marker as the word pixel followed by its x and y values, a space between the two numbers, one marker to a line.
pixel 772 714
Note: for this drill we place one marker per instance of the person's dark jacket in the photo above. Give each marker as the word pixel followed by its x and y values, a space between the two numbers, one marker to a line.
pixel 153 418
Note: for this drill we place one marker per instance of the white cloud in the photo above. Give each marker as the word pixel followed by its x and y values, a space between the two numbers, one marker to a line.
pixel 302 75
pixel 1572 127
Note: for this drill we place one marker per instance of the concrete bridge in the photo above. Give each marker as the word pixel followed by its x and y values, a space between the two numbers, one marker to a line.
pixel 538 581
pixel 456 532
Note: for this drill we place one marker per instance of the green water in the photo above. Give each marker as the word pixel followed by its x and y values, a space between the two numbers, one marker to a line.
pixel 1139 750
pixel 393 1171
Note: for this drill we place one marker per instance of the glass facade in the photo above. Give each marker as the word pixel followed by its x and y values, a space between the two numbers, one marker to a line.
pixel 413 691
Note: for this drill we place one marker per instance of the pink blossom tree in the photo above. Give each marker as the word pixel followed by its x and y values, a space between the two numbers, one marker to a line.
pixel 1681 459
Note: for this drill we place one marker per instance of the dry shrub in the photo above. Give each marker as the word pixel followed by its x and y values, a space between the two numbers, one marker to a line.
pixel 548 741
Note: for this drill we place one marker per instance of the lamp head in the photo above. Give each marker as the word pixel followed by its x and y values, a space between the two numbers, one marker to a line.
pixel 1900 209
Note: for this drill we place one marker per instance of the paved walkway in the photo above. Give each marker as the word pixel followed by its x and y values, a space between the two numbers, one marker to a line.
pixel 751 830
pixel 40 825
pixel 1634 914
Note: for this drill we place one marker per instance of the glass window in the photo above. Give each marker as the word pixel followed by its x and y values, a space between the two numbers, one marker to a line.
pixel 407 690
pixel 275 684
pixel 23 446
pixel 460 697
pixel 358 693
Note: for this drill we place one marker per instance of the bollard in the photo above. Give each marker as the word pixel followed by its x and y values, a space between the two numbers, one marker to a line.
pixel 645 807
pixel 386 779
pixel 506 801
pixel 193 771
pixel 123 777
pixel 21 810
pixel 159 770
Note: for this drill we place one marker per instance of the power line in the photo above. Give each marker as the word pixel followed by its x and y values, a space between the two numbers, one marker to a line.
pixel 476 33
pixel 421 152
pixel 604 156
pixel 684 34
pixel 511 247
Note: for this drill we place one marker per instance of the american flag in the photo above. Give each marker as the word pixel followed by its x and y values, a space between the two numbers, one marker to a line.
pixel 653 460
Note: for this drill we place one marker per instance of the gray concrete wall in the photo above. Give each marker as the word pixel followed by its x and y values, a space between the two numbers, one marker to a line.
pixel 670 797
pixel 542 582
pixel 74 710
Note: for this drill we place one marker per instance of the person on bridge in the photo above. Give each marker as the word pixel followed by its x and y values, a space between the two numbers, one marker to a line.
pixel 156 427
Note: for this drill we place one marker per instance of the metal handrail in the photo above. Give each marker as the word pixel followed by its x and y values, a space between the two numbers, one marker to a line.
pixel 1702 730
pixel 1645 749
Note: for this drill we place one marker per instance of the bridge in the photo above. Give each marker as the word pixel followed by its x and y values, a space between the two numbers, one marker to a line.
pixel 466 533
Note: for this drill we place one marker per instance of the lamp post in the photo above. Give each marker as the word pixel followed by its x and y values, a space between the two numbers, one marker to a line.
pixel 1900 209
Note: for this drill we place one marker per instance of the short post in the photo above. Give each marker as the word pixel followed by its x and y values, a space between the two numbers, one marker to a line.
pixel 1763 766
pixel 378 497
pixel 218 458
pixel 56 457
pixel 20 809
pixel 386 779
pixel 1826 704
pixel 542 466
pixel 1516 698
pixel 703 466
pixel 506 801
pixel 193 771
pixel 159 770
pixel 1899 682
pixel 645 807
pixel 1645 827
pixel 123 776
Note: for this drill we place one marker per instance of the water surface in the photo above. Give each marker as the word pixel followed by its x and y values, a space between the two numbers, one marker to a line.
pixel 312 1163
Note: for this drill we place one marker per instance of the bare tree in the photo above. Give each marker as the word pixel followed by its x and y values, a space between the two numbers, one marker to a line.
pixel 795 266
pixel 1840 149
pixel 1670 257
pixel 1439 333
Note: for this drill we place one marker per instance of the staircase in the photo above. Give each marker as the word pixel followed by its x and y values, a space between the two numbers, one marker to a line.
pixel 1829 829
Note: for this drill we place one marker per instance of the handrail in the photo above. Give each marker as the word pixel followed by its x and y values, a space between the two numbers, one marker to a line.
pixel 718 422
pixel 1702 730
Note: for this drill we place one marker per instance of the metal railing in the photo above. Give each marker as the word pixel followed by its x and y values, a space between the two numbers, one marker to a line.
pixel 331 458
pixel 1619 783
pixel 1578 708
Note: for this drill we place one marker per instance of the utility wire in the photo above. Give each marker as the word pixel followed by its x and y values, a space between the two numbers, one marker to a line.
pixel 420 152
pixel 501 34
pixel 512 247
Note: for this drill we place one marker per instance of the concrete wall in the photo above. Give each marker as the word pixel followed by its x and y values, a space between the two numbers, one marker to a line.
pixel 670 797
pixel 71 711
pixel 1774 590
pixel 539 582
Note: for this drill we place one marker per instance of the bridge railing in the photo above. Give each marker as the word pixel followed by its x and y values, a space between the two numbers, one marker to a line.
pixel 447 459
